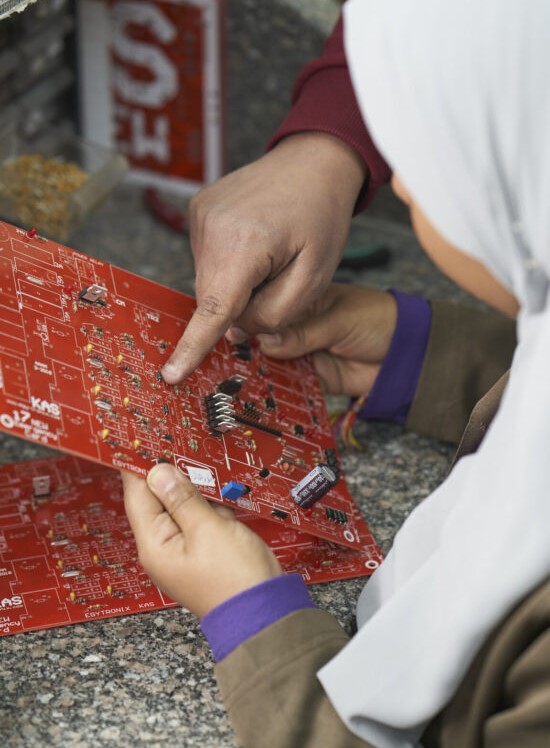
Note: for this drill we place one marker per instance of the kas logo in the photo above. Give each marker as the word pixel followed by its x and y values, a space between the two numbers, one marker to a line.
pixel 11 602
pixel 43 406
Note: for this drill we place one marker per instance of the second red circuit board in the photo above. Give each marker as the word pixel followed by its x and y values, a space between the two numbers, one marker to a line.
pixel 67 553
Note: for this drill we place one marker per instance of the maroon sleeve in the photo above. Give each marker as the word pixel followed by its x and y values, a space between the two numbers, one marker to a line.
pixel 323 100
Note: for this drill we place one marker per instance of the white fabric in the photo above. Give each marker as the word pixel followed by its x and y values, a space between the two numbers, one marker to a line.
pixel 456 96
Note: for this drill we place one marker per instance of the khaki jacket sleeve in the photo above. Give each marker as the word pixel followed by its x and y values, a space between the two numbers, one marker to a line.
pixel 270 689
pixel 468 351
pixel 504 699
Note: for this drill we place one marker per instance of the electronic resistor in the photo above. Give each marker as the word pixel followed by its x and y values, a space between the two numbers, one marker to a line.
pixel 77 600
pixel 95 508
pixel 121 456
pixel 102 536
pixel 193 444
pixel 69 573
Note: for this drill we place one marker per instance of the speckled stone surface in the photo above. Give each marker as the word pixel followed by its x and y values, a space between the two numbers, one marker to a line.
pixel 148 680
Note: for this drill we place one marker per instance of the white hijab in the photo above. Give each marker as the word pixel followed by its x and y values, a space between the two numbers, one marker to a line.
pixel 457 97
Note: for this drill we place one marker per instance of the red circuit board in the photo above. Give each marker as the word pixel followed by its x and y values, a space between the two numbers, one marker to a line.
pixel 68 554
pixel 83 377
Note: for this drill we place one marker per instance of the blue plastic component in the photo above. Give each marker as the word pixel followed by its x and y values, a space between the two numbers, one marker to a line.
pixel 233 490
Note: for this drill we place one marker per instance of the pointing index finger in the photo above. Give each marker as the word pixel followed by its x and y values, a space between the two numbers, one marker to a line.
pixel 213 316
pixel 209 322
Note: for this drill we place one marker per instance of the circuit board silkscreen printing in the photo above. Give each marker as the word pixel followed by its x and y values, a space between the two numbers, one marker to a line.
pixel 68 555
pixel 81 345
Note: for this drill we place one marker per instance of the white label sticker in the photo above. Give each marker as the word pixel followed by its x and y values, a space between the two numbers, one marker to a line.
pixel 200 476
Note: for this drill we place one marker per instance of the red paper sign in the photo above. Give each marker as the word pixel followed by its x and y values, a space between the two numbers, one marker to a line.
pixel 160 102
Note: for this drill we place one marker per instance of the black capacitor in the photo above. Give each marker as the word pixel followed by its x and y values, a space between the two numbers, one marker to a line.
pixel 314 486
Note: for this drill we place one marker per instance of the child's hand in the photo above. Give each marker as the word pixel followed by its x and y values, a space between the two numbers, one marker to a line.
pixel 198 554
pixel 348 330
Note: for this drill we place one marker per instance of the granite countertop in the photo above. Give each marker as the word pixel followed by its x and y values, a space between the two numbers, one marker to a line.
pixel 148 679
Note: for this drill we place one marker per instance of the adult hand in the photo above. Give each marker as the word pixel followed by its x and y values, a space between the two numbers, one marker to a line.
pixel 200 555
pixel 266 241
pixel 348 331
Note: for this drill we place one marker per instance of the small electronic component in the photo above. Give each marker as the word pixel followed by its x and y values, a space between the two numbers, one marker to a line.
pixel 93 294
pixel 220 412
pixel 314 486
pixel 264 472
pixel 242 351
pixel 230 386
pixel 335 515
pixel 279 514
pixel 41 486
pixel 233 490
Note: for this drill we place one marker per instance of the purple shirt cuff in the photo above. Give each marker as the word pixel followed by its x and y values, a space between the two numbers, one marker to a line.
pixel 391 397
pixel 246 614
